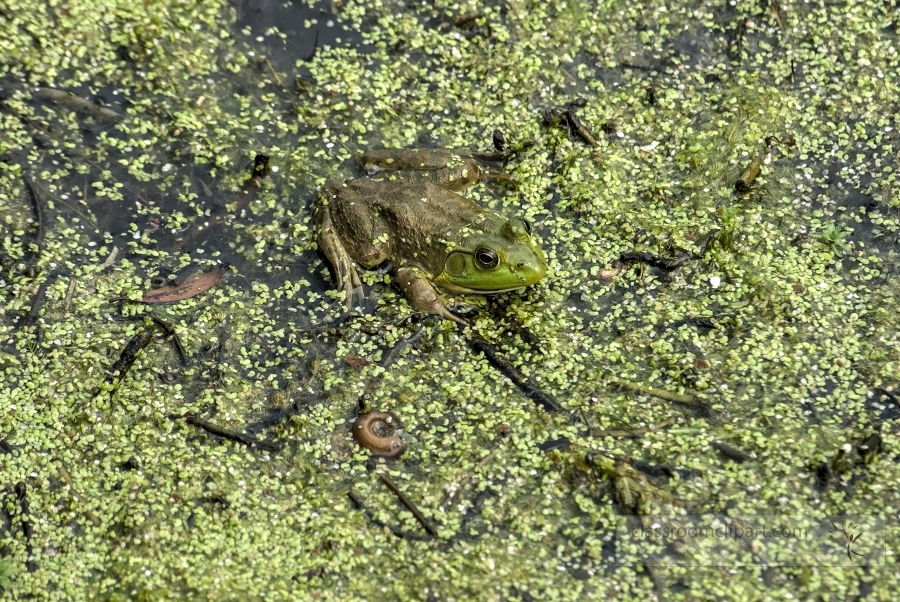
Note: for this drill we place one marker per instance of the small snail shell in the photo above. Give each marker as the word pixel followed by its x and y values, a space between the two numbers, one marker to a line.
pixel 376 431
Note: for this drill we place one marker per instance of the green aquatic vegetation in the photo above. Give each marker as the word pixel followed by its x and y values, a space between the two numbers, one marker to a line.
pixel 7 573
pixel 833 237
pixel 729 218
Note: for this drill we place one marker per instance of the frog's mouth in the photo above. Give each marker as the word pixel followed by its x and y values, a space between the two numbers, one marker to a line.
pixel 455 288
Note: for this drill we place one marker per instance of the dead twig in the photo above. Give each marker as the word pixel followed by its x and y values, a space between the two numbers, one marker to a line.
pixel 217 430
pixel 129 354
pixel 37 206
pixel 408 504
pixel 653 391
pixel 513 374
pixel 27 528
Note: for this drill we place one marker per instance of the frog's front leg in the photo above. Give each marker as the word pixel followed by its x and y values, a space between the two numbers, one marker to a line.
pixel 422 295
pixel 345 273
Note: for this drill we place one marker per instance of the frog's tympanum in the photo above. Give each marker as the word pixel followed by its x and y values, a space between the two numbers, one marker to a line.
pixel 408 211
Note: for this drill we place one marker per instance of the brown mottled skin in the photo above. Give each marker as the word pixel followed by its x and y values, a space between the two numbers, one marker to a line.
pixel 432 235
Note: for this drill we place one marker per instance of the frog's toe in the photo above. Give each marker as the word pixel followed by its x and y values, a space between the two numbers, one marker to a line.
pixel 353 290
pixel 342 278
pixel 348 296
pixel 345 276
pixel 458 319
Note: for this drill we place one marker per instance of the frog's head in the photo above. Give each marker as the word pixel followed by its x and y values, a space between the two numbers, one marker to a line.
pixel 494 261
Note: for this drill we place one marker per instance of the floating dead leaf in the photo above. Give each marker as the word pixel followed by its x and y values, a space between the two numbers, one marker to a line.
pixel 354 361
pixel 193 286
pixel 607 275
pixel 77 104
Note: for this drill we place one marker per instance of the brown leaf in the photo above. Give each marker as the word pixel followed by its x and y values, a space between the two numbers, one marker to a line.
pixel 193 286
pixel 354 361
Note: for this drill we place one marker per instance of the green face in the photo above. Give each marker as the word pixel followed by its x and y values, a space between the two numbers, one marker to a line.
pixel 493 262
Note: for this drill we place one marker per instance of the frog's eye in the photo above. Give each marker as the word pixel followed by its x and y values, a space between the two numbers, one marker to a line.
pixel 487 258
pixel 527 225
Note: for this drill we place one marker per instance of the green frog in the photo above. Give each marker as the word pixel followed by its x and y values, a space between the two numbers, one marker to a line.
pixel 408 211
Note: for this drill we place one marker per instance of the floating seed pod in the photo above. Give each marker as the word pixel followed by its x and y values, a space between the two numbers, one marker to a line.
pixel 748 176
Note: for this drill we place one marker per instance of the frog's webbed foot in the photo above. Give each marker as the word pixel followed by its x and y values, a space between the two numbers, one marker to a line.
pixel 422 295
pixel 345 274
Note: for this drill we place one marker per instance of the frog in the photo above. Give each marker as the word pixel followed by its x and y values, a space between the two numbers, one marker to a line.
pixel 409 211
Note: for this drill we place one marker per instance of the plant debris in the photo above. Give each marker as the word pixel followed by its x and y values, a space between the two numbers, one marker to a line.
pixel 191 287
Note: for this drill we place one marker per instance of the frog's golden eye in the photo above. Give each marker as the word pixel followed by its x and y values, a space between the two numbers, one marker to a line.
pixel 487 258
pixel 527 225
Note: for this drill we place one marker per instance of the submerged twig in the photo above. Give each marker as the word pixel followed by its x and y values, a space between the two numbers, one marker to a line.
pixel 258 173
pixel 477 505
pixel 69 292
pixel 40 296
pixel 169 331
pixel 27 528
pixel 357 501
pixel 217 430
pixel 275 73
pixel 653 391
pixel 731 452
pixel 668 264
pixel 111 258
pixel 37 206
pixel 554 444
pixel 635 433
pixel 467 477
pixel 402 344
pixel 513 374
pixel 738 39
pixel 67 479
pixel 527 336
pixel 569 120
pixel 408 504
pixel 129 354
pixel 579 129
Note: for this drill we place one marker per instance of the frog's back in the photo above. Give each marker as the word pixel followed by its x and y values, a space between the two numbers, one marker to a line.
pixel 419 209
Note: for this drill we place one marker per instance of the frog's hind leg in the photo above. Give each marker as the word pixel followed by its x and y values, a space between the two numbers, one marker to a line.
pixel 450 169
pixel 345 274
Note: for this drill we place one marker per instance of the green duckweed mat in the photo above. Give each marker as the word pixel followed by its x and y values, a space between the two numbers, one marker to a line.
pixel 760 376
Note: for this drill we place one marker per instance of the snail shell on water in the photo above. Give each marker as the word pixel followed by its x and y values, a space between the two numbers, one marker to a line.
pixel 377 432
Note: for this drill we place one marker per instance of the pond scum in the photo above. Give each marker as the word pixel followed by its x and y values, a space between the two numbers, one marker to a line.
pixel 715 184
